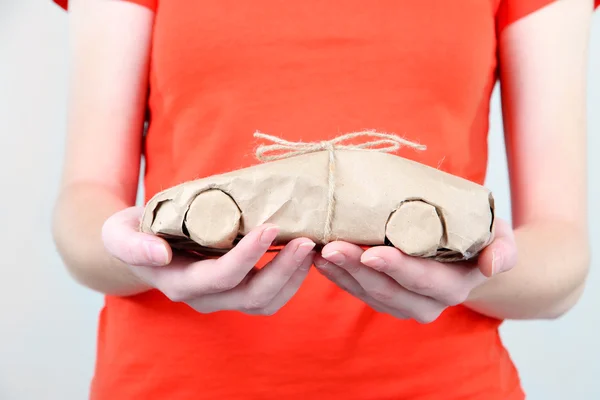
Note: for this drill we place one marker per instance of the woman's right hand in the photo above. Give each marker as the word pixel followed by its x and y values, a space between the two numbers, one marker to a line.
pixel 230 282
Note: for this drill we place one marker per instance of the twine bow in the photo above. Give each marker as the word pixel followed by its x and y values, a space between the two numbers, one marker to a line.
pixel 384 142
pixel 281 149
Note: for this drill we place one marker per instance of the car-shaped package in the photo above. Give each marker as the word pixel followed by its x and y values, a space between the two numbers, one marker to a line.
pixel 368 198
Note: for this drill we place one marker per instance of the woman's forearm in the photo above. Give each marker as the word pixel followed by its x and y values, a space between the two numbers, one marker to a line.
pixel 79 215
pixel 546 282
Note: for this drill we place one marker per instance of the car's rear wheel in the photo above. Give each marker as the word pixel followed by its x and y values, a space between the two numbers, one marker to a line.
pixel 213 220
pixel 415 228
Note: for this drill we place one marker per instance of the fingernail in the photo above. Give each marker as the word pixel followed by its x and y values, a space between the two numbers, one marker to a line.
pixel 157 253
pixel 303 250
pixel 376 263
pixel 322 264
pixel 268 235
pixel 335 257
pixel 497 262
pixel 325 267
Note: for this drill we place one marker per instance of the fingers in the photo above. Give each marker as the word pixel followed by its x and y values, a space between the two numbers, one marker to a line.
pixel 123 240
pixel 287 292
pixel 346 282
pixel 232 267
pixel 249 250
pixel 447 283
pixel 381 287
pixel 186 278
pixel 340 277
pixel 267 290
pixel 267 283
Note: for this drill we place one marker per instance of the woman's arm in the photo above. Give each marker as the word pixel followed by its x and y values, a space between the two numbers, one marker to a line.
pixel 539 269
pixel 543 60
pixel 110 43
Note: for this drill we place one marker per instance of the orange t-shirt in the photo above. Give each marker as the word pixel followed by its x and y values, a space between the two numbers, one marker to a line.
pixel 309 70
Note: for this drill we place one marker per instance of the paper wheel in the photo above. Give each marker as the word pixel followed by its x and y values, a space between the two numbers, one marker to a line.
pixel 213 220
pixel 415 229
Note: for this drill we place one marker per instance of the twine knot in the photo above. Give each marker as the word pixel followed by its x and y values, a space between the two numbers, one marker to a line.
pixel 281 149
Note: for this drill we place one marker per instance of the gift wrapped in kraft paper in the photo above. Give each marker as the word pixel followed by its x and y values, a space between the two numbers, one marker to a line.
pixel 327 191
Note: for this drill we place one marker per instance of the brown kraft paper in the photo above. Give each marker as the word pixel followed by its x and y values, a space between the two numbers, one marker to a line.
pixel 329 191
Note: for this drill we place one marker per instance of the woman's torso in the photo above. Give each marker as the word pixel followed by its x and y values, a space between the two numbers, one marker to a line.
pixel 309 70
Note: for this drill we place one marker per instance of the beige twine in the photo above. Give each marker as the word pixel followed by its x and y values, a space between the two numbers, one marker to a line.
pixel 385 143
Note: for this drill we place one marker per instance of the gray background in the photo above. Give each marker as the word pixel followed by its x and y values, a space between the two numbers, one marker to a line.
pixel 48 323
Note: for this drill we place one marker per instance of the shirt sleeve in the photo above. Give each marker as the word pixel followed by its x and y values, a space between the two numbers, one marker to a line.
pixel 510 11
pixel 151 4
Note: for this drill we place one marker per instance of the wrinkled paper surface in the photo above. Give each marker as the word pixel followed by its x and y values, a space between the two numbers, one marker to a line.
pixel 369 187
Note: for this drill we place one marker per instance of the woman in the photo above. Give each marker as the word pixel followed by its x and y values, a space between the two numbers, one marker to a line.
pixel 371 324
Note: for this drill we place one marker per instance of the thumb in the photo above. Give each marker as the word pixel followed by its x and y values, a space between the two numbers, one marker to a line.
pixel 501 255
pixel 123 240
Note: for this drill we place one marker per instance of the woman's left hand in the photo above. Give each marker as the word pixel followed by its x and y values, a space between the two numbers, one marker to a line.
pixel 410 287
